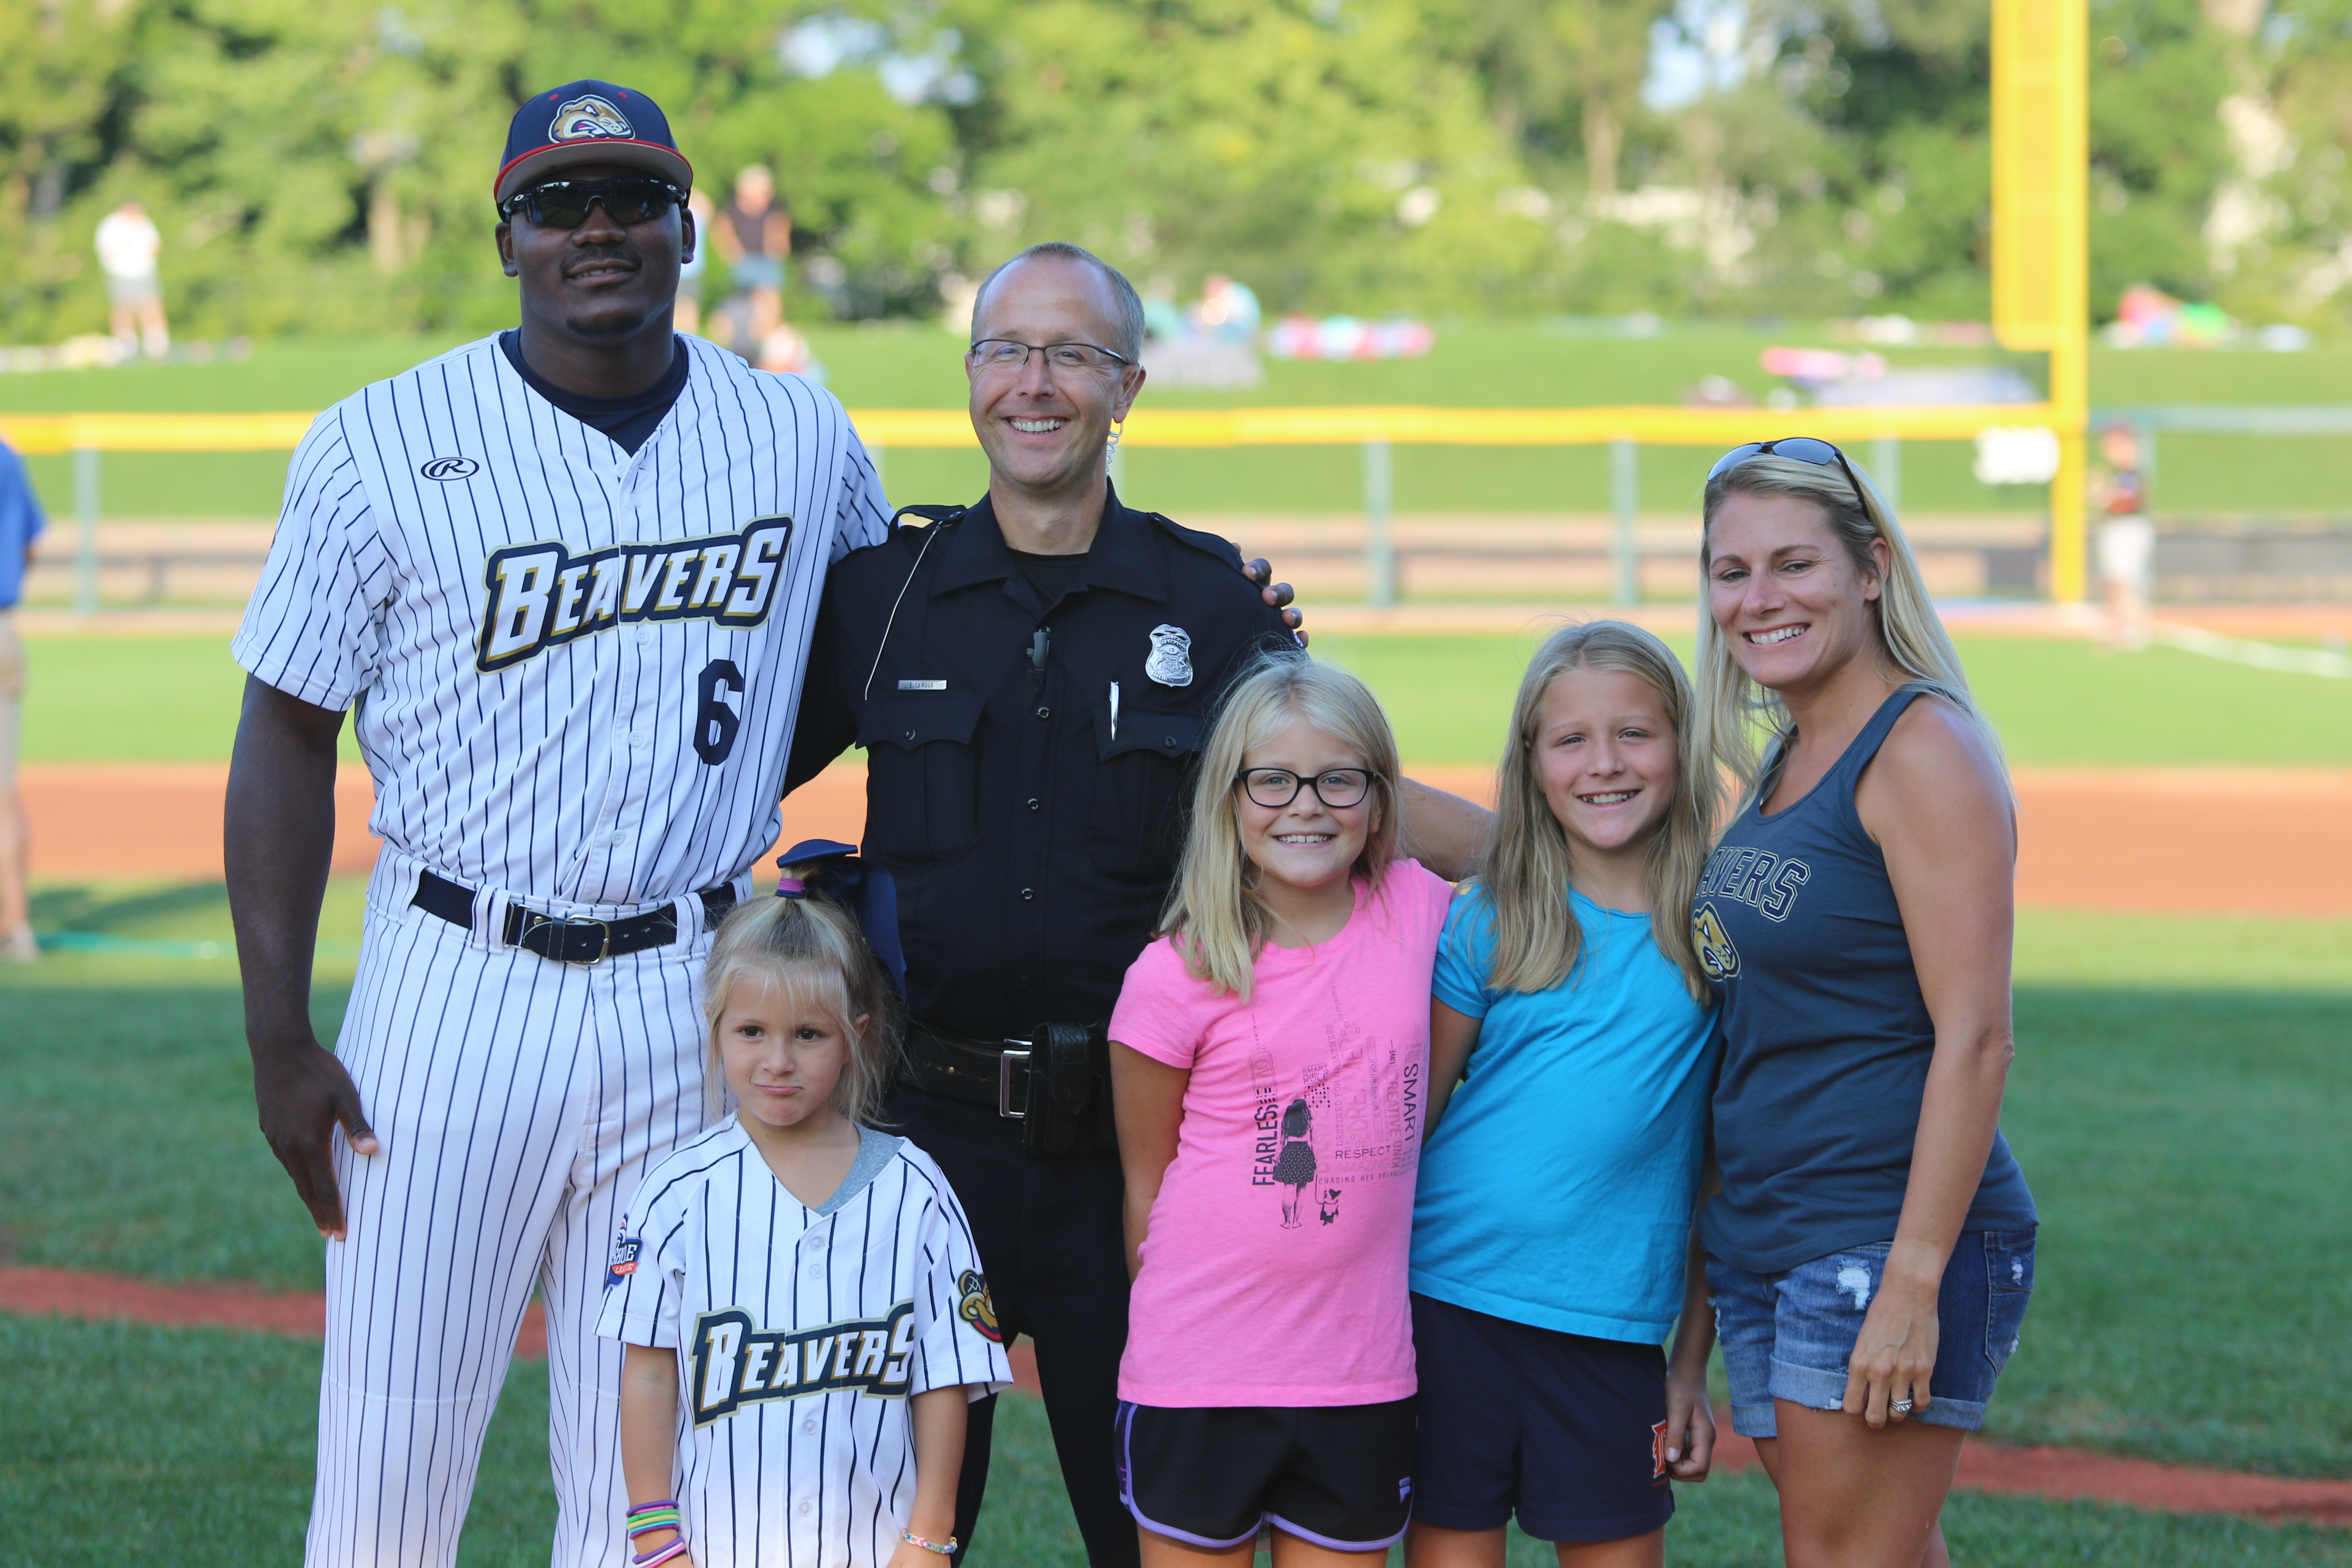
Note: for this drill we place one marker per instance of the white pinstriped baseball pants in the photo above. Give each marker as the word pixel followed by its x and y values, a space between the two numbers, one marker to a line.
pixel 517 1102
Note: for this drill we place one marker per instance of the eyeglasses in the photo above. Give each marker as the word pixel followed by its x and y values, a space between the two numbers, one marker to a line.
pixel 1803 448
pixel 1005 354
pixel 563 203
pixel 1337 788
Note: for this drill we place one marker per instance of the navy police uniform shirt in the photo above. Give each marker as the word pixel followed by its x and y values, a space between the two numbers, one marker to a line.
pixel 1031 837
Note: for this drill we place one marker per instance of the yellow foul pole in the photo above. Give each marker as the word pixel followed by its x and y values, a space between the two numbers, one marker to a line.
pixel 2040 241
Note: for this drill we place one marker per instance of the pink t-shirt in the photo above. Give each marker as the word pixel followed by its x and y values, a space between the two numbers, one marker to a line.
pixel 1273 1271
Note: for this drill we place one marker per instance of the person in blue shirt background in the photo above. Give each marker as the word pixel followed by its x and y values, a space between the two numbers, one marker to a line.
pixel 20 523
pixel 1553 1244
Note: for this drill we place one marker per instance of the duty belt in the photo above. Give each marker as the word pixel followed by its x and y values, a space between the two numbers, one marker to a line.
pixel 992 1073
pixel 568 939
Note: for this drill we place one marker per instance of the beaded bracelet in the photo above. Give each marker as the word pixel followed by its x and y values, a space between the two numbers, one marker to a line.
pixel 945 1548
pixel 675 1549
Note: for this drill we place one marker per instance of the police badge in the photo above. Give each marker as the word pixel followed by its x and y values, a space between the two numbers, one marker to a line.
pixel 1170 663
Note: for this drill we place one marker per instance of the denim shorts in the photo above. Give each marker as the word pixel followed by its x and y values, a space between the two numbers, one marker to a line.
pixel 1789 1335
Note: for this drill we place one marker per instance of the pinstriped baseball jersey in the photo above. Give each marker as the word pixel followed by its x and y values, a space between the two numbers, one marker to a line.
pixel 801 1333
pixel 576 667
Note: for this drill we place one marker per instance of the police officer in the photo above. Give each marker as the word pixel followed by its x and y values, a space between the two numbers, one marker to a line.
pixel 1031 677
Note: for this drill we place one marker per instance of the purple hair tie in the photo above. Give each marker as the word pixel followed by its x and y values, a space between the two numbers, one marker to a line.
pixel 791 887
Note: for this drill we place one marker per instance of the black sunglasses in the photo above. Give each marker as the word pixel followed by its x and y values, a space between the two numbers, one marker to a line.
pixel 563 203
pixel 1803 448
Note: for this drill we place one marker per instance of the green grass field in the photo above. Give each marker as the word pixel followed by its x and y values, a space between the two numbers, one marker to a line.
pixel 1523 363
pixel 138 1445
pixel 2178 1101
pixel 2057 703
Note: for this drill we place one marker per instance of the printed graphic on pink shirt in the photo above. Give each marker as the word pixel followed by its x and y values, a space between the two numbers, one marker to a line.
pixel 1353 1116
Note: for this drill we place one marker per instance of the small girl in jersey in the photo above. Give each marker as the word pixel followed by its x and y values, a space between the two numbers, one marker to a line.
pixel 802 1288
pixel 1276 1036
pixel 1552 1239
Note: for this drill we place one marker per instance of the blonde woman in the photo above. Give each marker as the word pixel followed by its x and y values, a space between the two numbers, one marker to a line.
pixel 1870 1253
pixel 1552 1239
pixel 1269 1056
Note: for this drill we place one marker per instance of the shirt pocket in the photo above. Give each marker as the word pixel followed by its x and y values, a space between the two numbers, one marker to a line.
pixel 2009 1286
pixel 922 777
pixel 1135 826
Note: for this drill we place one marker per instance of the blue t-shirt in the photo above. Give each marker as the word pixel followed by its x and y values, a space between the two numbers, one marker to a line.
pixel 20 524
pixel 1557 1190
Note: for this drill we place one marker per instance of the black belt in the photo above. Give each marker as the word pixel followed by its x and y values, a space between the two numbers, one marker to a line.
pixel 568 939
pixel 993 1073
pixel 1056 1083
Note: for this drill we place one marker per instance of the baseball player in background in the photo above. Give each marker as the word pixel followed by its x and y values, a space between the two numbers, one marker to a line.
pixel 565 578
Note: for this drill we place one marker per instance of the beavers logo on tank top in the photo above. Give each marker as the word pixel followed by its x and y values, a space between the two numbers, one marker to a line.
pixel 1762 881
pixel 1716 953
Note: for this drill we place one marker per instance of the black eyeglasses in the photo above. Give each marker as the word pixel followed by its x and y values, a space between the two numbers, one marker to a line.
pixel 1006 354
pixel 1337 788
pixel 563 203
pixel 1803 448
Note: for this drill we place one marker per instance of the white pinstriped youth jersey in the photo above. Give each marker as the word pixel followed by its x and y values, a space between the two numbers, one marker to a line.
pixel 576 667
pixel 800 1334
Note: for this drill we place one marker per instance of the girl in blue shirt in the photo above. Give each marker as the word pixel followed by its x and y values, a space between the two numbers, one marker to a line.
pixel 1572 1041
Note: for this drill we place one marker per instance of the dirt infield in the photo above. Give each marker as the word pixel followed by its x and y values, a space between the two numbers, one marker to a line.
pixel 1984 1467
pixel 2184 841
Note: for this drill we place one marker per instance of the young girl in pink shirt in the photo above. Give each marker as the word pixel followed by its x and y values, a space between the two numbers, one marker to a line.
pixel 1269 1064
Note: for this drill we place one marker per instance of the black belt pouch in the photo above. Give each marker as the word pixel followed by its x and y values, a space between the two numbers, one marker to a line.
pixel 1069 1108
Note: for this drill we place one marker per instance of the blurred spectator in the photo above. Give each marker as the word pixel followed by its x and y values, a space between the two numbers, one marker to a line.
pixel 128 247
pixel 20 524
pixel 1228 311
pixel 755 235
pixel 1163 318
pixel 2125 544
pixel 688 316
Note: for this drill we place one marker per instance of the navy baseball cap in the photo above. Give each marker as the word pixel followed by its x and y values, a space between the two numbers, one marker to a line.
pixel 589 123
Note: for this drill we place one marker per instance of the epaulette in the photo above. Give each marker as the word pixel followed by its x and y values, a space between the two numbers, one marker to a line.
pixel 1214 545
pixel 929 515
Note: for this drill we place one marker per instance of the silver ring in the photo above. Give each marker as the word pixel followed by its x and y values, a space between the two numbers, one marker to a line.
pixel 1901 1407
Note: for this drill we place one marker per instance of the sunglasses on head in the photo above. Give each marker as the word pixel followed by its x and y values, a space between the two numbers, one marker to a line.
pixel 1803 448
pixel 563 203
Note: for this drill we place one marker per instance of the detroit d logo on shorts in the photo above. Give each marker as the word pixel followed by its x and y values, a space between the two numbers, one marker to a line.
pixel 588 118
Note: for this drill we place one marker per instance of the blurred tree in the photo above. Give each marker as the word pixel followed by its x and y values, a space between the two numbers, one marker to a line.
pixel 1319 151
pixel 324 165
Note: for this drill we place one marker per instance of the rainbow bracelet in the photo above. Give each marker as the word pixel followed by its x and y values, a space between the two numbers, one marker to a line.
pixel 646 1524
pixel 945 1548
pixel 675 1549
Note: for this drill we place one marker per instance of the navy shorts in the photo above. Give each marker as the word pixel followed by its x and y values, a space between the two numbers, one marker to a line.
pixel 1789 1335
pixel 1568 1431
pixel 1336 1476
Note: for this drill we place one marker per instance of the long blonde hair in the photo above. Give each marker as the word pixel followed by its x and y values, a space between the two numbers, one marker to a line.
pixel 1530 865
pixel 812 951
pixel 1214 910
pixel 1738 717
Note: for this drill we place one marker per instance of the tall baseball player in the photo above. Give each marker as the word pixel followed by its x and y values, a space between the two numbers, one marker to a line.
pixel 565 576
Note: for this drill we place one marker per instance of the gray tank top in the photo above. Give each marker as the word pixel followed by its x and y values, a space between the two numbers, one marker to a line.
pixel 1826 1036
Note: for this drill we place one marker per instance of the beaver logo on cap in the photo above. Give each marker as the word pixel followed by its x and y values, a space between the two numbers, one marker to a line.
pixel 588 118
